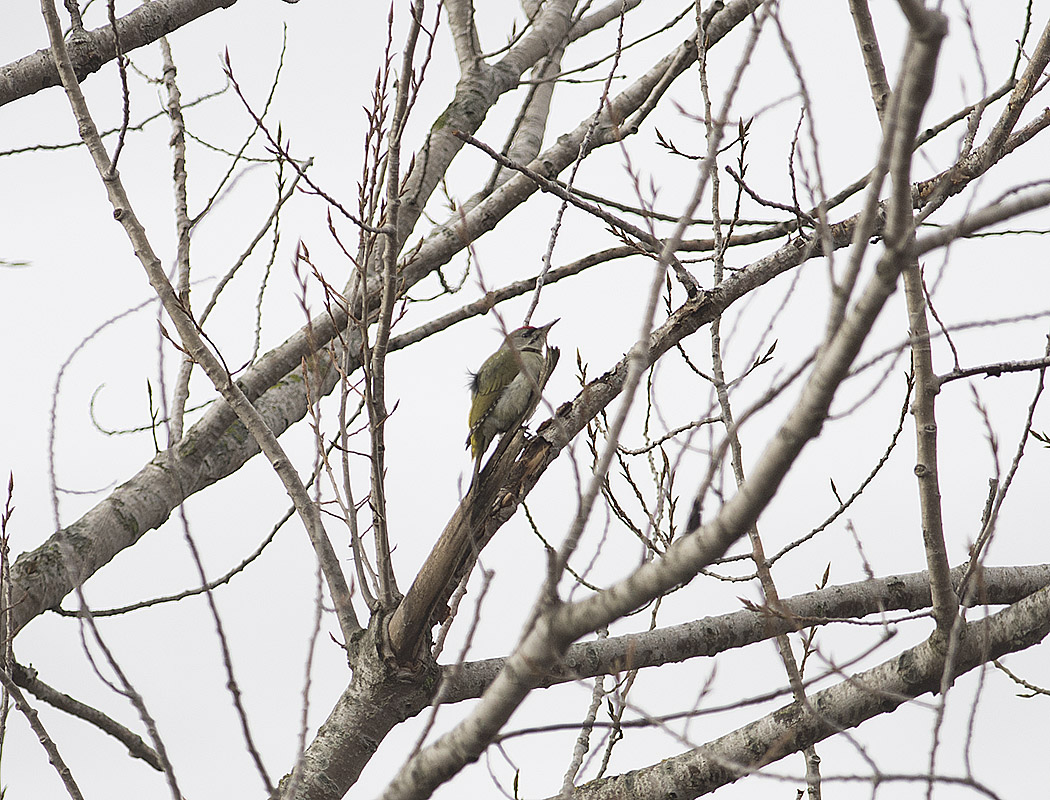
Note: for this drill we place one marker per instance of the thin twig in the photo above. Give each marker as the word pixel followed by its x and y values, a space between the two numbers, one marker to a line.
pixel 45 740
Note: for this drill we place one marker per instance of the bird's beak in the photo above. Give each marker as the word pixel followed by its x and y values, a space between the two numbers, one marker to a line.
pixel 549 325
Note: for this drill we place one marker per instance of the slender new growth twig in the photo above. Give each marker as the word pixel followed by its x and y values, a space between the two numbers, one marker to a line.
pixel 375 384
pixel 227 659
pixel 138 126
pixel 297 770
pixel 45 740
pixel 1031 687
pixel 653 245
pixel 283 196
pixel 122 69
pixel 977 553
pixel 762 568
pixel 172 598
pixel 979 548
pixel 224 184
pixel 7 654
pixel 584 150
pixel 123 687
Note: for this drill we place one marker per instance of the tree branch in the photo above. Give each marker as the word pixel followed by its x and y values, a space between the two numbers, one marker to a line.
pixel 464 33
pixel 26 677
pixel 89 51
pixel 924 41
pixel 33 718
pixel 710 636
pixel 1019 97
pixel 869 48
pixel 856 699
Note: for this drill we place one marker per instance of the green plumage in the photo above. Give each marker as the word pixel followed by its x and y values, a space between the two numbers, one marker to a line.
pixel 506 390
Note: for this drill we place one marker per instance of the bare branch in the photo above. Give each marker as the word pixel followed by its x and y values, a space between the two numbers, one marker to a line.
pixel 464 33
pixel 375 387
pixel 994 370
pixel 45 740
pixel 869 48
pixel 1019 98
pixel 89 51
pixel 710 636
pixel 26 677
pixel 857 698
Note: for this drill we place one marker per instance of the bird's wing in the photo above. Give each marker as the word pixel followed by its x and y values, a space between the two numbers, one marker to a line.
pixel 486 391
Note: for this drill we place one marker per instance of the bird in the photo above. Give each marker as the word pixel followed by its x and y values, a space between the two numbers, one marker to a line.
pixel 506 390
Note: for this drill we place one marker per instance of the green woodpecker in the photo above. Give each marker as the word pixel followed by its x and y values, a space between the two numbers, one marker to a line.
pixel 506 390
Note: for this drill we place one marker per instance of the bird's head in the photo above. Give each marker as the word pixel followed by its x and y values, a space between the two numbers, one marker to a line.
pixel 529 338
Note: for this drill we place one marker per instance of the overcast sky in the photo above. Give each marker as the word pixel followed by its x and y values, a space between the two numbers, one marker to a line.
pixel 72 270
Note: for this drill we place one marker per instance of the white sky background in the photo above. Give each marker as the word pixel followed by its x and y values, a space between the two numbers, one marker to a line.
pixel 81 272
